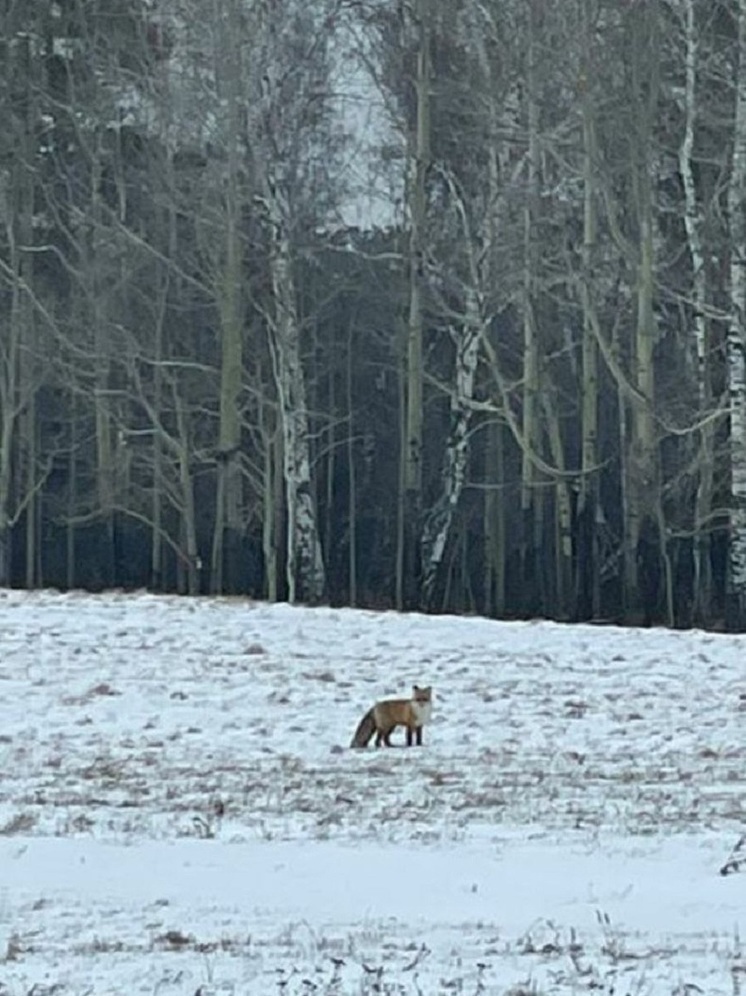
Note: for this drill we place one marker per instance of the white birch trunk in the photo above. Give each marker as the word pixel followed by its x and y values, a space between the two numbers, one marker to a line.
pixel 277 131
pixel 736 369
pixel 306 577
pixel 468 336
pixel 693 226
pixel 440 519
pixel 692 216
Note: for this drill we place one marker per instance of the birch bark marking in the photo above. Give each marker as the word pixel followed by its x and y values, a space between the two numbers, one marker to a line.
pixel 476 226
pixel 276 123
pixel 306 577
pixel 736 368
pixel 693 224
pixel 440 519
pixel 692 219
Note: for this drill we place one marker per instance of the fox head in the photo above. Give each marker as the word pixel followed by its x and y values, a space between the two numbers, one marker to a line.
pixel 422 694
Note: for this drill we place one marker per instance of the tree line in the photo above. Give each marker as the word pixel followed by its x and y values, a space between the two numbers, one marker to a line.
pixel 514 386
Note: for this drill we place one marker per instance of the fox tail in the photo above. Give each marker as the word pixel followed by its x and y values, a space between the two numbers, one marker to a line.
pixel 365 730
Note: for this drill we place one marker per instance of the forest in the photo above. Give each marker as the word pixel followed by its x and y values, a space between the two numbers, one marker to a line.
pixel 431 305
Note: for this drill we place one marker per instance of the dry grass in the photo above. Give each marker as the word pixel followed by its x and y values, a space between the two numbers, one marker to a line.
pixel 18 824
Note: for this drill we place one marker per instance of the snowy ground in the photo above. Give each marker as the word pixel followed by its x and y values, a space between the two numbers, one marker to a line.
pixel 180 813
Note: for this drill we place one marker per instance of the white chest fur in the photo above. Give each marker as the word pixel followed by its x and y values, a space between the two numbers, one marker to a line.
pixel 422 711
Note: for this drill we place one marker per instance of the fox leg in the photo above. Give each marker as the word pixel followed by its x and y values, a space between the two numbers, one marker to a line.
pixel 409 736
pixel 419 736
pixel 386 735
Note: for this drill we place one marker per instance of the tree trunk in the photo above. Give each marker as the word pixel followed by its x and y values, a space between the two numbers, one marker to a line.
pixel 72 494
pixel 702 579
pixel 643 541
pixel 272 495
pixel 30 449
pixel 588 585
pixel 157 578
pixel 641 465
pixel 495 528
pixel 15 387
pixel 156 543
pixel 736 586
pixel 411 502
pixel 226 549
pixel 530 511
pixel 351 476
pixel 440 518
pixel 306 576
pixel 102 366
pixel 563 550
pixel 188 517
pixel 331 526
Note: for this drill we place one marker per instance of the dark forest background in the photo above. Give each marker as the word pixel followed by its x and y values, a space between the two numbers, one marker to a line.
pixel 515 386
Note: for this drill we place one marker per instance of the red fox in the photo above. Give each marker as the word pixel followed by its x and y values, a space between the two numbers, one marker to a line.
pixel 384 716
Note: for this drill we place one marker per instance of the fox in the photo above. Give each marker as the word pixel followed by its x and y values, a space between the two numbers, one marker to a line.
pixel 385 716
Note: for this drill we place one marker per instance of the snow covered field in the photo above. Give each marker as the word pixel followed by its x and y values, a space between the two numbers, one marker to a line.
pixel 180 813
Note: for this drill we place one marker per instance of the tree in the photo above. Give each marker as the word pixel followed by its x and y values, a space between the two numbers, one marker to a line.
pixel 285 118
pixel 229 49
pixel 418 163
pixel 737 330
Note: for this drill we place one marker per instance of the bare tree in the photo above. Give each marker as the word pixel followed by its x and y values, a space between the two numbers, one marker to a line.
pixel 21 367
pixel 418 162
pixel 229 72
pixel 737 332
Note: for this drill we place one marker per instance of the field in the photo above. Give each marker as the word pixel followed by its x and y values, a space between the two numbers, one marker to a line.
pixel 180 812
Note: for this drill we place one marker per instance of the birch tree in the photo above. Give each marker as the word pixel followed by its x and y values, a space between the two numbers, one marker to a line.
pixel 467 337
pixel 289 88
pixel 737 331
pixel 693 222
pixel 465 232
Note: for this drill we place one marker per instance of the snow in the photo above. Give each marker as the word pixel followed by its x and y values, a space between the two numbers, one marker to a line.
pixel 180 812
